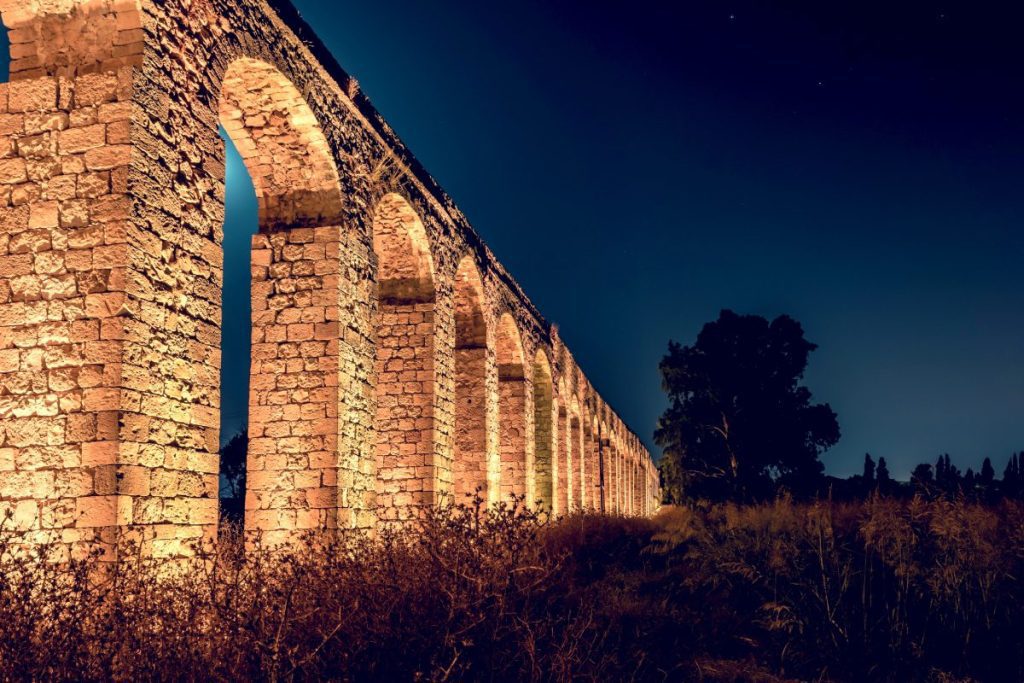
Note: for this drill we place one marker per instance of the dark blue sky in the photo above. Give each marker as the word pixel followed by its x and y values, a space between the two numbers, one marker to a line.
pixel 639 166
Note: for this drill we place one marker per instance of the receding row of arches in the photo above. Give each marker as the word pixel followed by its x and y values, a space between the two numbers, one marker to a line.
pixel 534 441
pixel 390 366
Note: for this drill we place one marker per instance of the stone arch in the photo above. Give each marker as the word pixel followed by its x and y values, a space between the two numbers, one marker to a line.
pixel 632 485
pixel 563 465
pixel 71 37
pixel 636 483
pixel 616 468
pixel 645 489
pixel 634 471
pixel 626 479
pixel 588 489
pixel 593 449
pixel 512 422
pixel 544 436
pixel 284 148
pixel 607 481
pixel 626 492
pixel 405 371
pixel 575 462
pixel 293 460
pixel 473 468
pixel 648 488
pixel 610 483
pixel 641 486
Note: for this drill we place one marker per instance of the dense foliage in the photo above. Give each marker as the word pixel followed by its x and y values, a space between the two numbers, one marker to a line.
pixel 740 425
pixel 882 590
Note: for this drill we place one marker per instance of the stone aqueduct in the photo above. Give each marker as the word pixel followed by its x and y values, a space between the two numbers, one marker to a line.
pixel 394 360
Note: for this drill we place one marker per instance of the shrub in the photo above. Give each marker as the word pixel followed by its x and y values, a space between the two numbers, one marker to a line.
pixel 881 590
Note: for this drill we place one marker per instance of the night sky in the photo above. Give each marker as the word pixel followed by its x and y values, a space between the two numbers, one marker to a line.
pixel 639 166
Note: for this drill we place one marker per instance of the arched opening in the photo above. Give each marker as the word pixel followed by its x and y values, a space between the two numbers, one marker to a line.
pixel 472 467
pixel 563 454
pixel 635 489
pixel 627 489
pixel 620 453
pixel 405 367
pixel 630 484
pixel 614 483
pixel 634 500
pixel 5 55
pixel 292 463
pixel 543 436
pixel 645 481
pixel 592 493
pixel 283 146
pixel 604 453
pixel 647 488
pixel 627 479
pixel 240 224
pixel 640 487
pixel 511 409
pixel 575 459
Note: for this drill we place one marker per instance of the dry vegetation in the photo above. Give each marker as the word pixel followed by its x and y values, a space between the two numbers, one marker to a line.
pixel 882 590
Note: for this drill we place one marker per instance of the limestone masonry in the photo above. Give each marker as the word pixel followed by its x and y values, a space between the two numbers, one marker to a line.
pixel 395 363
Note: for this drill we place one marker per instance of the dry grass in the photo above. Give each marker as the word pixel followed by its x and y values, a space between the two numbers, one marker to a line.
pixel 883 590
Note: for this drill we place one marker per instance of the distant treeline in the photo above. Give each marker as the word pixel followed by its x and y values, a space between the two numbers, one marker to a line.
pixel 940 480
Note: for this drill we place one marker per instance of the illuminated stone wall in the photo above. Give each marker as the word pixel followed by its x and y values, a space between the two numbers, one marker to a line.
pixel 395 363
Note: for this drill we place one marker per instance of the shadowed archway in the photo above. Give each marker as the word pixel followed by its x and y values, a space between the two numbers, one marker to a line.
pixel 512 422
pixel 291 472
pixel 544 446
pixel 563 464
pixel 472 469
pixel 405 366
pixel 575 462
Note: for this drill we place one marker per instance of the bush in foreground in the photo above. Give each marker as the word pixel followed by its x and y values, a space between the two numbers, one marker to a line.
pixel 883 590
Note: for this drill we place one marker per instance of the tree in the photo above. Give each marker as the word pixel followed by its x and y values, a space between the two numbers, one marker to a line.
pixel 882 474
pixel 922 475
pixel 947 476
pixel 232 468
pixel 1011 476
pixel 869 470
pixel 739 422
pixel 988 474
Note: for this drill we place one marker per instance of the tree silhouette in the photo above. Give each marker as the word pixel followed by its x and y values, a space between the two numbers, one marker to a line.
pixel 1011 477
pixel 988 474
pixel 882 474
pixel 869 470
pixel 922 475
pixel 739 422
pixel 232 469
pixel 947 476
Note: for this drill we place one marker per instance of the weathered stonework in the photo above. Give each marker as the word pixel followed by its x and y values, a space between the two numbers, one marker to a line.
pixel 395 363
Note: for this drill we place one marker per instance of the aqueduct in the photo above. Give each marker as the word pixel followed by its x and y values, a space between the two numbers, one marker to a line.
pixel 394 360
